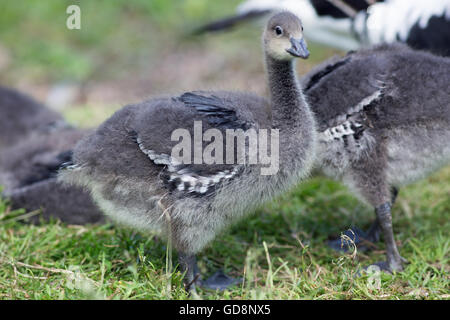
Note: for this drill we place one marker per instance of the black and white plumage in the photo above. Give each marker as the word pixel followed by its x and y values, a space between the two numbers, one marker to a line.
pixel 187 178
pixel 126 163
pixel 384 121
pixel 323 22
pixel 34 142
pixel 420 24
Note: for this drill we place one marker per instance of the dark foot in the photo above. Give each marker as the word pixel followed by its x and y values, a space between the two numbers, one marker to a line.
pixel 390 267
pixel 351 237
pixel 219 281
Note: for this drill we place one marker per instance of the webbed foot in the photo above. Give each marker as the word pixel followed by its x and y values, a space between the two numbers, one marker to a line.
pixel 390 267
pixel 220 281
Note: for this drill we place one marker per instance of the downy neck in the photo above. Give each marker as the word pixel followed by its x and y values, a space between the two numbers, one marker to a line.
pixel 293 118
pixel 288 103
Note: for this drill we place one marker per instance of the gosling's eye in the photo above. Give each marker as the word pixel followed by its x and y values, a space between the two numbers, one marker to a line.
pixel 279 30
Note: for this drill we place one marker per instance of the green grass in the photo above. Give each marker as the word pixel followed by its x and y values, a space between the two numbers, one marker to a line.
pixel 280 250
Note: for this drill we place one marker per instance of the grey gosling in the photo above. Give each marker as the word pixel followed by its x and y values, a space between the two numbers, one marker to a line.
pixel 21 116
pixel 34 143
pixel 28 174
pixel 383 116
pixel 128 167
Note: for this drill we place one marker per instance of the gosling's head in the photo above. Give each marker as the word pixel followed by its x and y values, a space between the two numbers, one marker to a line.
pixel 283 37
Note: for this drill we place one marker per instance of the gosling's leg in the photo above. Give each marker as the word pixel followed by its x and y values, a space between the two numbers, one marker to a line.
pixel 359 237
pixel 394 262
pixel 374 232
pixel 188 265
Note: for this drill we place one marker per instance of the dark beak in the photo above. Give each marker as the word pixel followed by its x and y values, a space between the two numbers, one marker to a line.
pixel 299 48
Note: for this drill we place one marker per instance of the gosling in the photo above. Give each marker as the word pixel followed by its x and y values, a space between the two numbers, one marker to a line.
pixel 383 116
pixel 128 167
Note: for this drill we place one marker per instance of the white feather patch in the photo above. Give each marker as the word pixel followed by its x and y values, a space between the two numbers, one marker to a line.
pixel 389 19
pixel 345 128
pixel 189 180
pixel 338 132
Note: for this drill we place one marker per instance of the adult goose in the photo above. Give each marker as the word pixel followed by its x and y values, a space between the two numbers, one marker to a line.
pixel 351 24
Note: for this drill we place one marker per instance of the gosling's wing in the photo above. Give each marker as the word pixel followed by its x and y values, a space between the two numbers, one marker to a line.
pixel 342 93
pixel 192 179
pixel 218 111
pixel 382 87
pixel 317 73
pixel 344 89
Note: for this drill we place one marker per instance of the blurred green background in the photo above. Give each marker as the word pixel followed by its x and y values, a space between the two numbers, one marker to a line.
pixel 114 35
pixel 126 51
